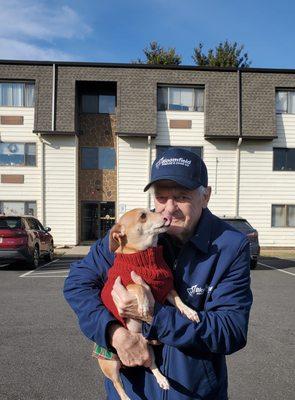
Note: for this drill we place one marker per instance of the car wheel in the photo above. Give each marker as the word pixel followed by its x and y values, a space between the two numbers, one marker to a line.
pixel 34 261
pixel 49 256
pixel 253 264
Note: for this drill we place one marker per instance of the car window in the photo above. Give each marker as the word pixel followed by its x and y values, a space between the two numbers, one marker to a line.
pixel 10 223
pixel 240 225
pixel 41 227
pixel 33 224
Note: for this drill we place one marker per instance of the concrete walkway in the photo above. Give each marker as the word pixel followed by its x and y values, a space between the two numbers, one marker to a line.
pixel 75 251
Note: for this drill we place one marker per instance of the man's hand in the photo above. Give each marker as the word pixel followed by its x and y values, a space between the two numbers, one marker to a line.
pixel 132 348
pixel 127 303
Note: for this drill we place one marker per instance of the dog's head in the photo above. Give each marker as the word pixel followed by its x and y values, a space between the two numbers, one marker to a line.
pixel 137 230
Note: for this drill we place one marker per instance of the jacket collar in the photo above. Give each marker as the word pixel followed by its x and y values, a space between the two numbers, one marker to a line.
pixel 202 236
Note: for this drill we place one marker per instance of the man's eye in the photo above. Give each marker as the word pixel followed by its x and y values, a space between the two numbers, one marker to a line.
pixel 161 199
pixel 182 198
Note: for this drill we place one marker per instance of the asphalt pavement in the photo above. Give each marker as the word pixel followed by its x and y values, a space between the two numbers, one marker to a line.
pixel 43 354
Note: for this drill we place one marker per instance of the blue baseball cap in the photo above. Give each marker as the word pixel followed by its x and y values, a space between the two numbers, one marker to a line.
pixel 181 166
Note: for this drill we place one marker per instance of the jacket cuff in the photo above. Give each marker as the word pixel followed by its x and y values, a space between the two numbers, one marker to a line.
pixel 152 331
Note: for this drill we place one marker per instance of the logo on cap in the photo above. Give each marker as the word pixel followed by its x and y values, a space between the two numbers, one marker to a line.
pixel 173 161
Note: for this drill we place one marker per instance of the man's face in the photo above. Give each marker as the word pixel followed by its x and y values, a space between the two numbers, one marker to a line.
pixel 182 205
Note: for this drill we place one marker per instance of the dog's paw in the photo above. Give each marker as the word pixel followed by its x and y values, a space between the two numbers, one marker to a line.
pixel 163 382
pixel 190 314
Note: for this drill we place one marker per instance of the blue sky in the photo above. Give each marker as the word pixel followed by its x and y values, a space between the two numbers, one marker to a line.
pixel 117 31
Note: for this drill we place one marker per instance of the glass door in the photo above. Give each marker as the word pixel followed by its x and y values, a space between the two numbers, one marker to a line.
pixel 97 219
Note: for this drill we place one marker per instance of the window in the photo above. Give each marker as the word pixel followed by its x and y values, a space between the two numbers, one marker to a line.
pixel 283 159
pixel 180 99
pixel 98 158
pixel 98 103
pixel 285 102
pixel 197 150
pixel 18 154
pixel 283 215
pixel 17 94
pixel 33 224
pixel 18 207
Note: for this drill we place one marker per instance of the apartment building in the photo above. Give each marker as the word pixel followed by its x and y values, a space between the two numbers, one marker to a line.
pixel 77 141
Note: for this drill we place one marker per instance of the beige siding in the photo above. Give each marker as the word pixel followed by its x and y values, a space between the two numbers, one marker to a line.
pixel 61 188
pixel 30 189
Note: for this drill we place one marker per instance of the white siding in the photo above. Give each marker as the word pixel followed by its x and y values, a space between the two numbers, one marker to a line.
pixel 61 188
pixel 30 189
pixel 260 186
pixel 132 155
pixel 219 156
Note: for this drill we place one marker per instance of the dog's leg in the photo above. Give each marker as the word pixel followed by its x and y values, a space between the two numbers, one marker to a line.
pixel 174 299
pixel 111 368
pixel 162 381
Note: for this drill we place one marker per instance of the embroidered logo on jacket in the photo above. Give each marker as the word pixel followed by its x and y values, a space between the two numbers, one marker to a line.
pixel 197 290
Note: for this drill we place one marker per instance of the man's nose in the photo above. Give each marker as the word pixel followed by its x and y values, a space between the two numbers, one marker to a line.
pixel 170 206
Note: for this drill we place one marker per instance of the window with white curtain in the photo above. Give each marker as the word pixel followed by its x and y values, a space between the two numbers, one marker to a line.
pixel 17 94
pixel 180 98
pixel 285 102
pixel 283 215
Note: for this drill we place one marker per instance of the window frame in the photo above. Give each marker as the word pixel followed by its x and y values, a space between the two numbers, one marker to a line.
pixel 26 205
pixel 24 93
pixel 286 206
pixel 273 159
pixel 97 168
pixel 98 95
pixel 26 145
pixel 172 86
pixel 287 90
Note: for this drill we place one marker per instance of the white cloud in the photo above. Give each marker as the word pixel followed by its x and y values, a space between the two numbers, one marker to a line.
pixel 18 50
pixel 24 24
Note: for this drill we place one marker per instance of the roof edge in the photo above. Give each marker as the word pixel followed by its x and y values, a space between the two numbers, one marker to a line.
pixel 146 66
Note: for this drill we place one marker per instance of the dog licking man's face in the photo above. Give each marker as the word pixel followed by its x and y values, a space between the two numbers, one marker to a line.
pixel 137 230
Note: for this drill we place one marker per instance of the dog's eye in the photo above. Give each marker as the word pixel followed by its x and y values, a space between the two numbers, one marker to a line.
pixel 143 216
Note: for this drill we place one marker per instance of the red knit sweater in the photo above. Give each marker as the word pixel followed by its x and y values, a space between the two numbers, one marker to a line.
pixel 149 265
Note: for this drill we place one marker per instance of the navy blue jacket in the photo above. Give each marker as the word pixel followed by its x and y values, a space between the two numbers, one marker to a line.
pixel 212 275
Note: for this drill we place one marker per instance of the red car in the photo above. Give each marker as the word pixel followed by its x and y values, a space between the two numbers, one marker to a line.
pixel 23 238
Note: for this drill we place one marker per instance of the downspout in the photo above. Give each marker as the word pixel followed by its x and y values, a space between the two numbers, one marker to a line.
pixel 240 139
pixel 149 169
pixel 42 180
pixel 53 97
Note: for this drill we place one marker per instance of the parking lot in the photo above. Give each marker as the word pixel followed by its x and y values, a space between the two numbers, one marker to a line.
pixel 44 355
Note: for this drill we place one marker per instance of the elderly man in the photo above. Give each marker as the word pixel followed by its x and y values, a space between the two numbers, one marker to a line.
pixel 210 263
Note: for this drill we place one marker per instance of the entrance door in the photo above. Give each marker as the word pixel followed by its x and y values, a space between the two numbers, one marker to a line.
pixel 97 219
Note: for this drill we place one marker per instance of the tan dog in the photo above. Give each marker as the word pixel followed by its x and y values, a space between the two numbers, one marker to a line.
pixel 137 231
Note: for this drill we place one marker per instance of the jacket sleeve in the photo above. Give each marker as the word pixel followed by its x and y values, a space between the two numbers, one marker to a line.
pixel 223 323
pixel 82 291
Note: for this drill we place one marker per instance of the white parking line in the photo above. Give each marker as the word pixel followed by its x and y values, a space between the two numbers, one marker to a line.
pixel 277 269
pixel 46 276
pixel 37 269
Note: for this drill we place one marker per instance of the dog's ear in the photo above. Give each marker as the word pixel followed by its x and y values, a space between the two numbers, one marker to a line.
pixel 117 237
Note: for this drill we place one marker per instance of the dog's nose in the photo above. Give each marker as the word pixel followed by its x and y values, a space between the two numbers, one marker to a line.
pixel 167 220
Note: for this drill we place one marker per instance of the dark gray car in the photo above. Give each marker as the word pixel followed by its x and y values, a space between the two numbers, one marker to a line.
pixel 242 225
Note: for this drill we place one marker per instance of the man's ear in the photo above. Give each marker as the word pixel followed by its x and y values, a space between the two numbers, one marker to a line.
pixel 117 237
